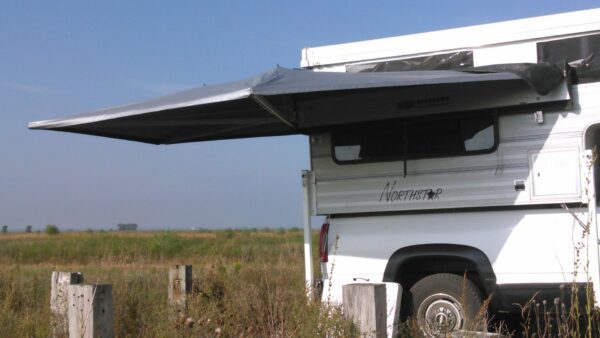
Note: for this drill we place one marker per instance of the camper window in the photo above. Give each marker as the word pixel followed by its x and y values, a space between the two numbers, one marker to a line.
pixel 416 138
pixel 455 60
pixel 582 53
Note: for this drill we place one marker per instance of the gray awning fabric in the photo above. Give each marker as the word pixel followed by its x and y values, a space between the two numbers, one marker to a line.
pixel 294 101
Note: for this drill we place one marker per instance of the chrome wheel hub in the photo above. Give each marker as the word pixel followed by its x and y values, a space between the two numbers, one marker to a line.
pixel 439 314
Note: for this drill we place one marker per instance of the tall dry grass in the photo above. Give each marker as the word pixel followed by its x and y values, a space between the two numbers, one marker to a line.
pixel 247 283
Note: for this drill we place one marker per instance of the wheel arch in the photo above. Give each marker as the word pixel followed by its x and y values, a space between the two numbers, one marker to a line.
pixel 471 257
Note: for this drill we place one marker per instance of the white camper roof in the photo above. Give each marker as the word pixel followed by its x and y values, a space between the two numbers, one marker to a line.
pixel 452 40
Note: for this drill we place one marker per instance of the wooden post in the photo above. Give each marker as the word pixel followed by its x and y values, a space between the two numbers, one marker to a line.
pixel 365 304
pixel 59 300
pixel 91 311
pixel 180 285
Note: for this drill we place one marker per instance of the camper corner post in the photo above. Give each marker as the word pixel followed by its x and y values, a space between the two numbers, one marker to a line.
pixel 307 203
pixel 589 158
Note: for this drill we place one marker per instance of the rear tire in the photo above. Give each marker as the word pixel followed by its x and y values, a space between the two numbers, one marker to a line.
pixel 444 303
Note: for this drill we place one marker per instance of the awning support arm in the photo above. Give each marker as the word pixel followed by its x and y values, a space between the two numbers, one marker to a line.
pixel 266 105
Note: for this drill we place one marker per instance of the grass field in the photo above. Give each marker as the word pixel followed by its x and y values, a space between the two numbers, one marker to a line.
pixel 249 283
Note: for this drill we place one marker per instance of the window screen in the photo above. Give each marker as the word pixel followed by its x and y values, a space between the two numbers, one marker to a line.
pixel 409 139
pixel 446 61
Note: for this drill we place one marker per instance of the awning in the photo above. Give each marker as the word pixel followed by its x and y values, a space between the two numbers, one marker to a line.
pixel 294 101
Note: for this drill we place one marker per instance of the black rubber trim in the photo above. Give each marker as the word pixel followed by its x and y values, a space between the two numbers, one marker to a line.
pixel 471 254
pixel 558 205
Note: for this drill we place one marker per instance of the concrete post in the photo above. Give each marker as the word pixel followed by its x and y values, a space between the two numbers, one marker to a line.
pixel 91 311
pixel 180 285
pixel 366 305
pixel 59 300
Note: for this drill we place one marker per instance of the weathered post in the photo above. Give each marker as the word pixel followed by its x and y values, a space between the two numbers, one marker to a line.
pixel 91 311
pixel 180 285
pixel 365 304
pixel 59 300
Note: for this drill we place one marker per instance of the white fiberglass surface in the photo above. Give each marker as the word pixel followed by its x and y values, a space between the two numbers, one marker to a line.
pixel 533 246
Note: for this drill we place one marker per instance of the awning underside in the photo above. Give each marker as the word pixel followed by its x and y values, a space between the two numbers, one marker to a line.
pixel 292 101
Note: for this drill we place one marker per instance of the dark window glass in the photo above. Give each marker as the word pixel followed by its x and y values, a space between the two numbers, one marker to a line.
pixel 440 137
pixel 406 139
pixel 568 50
pixel 582 53
pixel 369 142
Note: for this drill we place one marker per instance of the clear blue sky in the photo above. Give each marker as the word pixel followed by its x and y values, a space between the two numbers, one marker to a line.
pixel 59 58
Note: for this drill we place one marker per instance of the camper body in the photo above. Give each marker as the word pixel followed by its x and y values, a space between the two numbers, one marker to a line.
pixel 505 197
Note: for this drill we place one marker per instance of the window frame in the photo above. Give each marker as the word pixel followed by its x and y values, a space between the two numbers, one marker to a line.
pixel 494 148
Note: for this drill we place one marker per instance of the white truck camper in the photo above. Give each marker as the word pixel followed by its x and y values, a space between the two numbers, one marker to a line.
pixel 501 196
pixel 458 164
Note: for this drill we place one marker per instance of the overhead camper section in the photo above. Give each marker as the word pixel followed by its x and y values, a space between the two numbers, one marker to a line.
pixel 514 41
